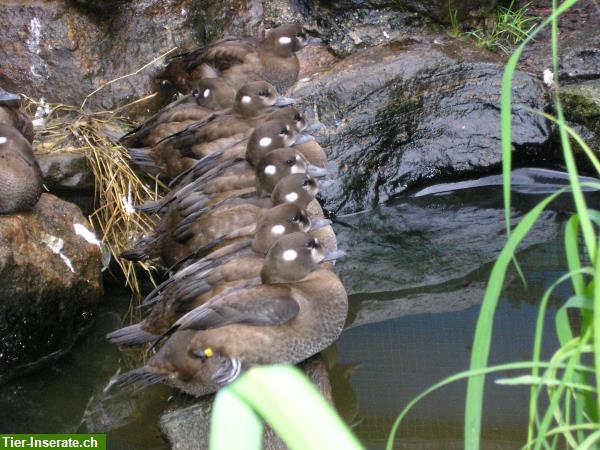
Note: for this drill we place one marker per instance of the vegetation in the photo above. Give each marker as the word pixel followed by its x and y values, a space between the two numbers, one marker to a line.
pixel 511 26
pixel 117 186
pixel 570 378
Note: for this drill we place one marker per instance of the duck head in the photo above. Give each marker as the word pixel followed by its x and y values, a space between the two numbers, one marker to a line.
pixel 213 93
pixel 269 136
pixel 282 220
pixel 292 116
pixel 293 257
pixel 287 39
pixel 299 189
pixel 254 97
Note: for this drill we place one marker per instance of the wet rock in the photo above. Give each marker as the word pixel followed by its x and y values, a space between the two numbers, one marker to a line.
pixel 188 428
pixel 428 254
pixel 417 110
pixel 440 9
pixel 578 44
pixel 50 283
pixel 348 26
pixel 581 104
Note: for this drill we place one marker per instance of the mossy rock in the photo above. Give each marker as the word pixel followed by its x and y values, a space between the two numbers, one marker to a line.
pixel 582 104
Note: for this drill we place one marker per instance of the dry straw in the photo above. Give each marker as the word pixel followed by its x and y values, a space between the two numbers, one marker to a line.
pixel 117 187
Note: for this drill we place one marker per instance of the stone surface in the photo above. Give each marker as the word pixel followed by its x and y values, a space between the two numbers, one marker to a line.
pixel 578 42
pixel 63 51
pixel 50 283
pixel 66 171
pixel 188 428
pixel 421 109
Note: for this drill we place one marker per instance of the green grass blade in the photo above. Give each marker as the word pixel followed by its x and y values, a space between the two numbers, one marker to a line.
pixel 506 102
pixel 294 408
pixel 590 442
pixel 468 374
pixel 232 413
pixel 483 331
pixel 571 132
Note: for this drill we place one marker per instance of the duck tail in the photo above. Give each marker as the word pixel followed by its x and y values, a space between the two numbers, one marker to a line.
pixel 143 157
pixel 150 207
pixel 140 251
pixel 131 335
pixel 141 377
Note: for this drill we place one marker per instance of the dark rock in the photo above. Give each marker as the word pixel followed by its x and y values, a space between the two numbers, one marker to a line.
pixel 422 109
pixel 66 171
pixel 50 283
pixel 428 254
pixel 578 44
pixel 440 9
pixel 348 26
pixel 188 428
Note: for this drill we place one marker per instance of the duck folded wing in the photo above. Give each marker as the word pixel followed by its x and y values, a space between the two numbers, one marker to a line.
pixel 221 55
pixel 259 306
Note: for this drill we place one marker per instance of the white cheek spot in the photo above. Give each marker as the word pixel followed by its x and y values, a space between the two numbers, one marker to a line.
pixel 264 142
pixel 290 255
pixel 270 169
pixel 246 99
pixel 298 169
pixel 284 40
pixel 206 93
pixel 278 229
pixel 3 140
pixel 291 197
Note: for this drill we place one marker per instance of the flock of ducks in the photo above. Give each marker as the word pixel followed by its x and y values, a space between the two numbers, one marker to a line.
pixel 249 250
pixel 21 179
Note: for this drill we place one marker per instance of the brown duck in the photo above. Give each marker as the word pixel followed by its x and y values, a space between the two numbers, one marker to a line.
pixel 209 95
pixel 239 60
pixel 21 180
pixel 11 115
pixel 252 106
pixel 226 268
pixel 296 310
pixel 185 232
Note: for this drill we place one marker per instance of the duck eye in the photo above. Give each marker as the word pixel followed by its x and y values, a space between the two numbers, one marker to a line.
pixel 284 131
pixel 297 218
pixel 301 34
pixel 312 243
pixel 289 162
pixel 195 92
pixel 264 93
pixel 298 117
pixel 305 183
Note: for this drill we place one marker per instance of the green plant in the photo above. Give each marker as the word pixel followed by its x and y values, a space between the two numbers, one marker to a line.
pixel 453 13
pixel 571 377
pixel 290 404
pixel 511 26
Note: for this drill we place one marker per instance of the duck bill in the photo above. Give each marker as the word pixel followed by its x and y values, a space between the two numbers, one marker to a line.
pixel 333 255
pixel 284 101
pixel 314 41
pixel 314 127
pixel 303 139
pixel 316 171
pixel 317 224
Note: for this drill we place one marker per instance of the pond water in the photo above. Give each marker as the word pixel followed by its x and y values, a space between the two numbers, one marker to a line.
pixel 415 273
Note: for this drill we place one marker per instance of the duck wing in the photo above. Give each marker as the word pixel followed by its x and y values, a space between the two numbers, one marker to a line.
pixel 262 305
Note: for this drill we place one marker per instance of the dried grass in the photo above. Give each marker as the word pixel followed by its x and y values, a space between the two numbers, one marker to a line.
pixel 117 186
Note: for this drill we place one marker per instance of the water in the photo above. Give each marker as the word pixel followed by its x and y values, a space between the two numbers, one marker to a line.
pixel 415 274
